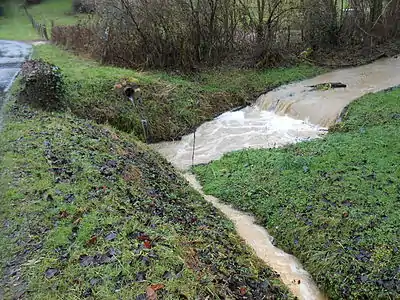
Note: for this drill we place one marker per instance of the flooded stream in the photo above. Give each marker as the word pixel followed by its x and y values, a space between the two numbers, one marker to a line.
pixel 323 107
pixel 286 115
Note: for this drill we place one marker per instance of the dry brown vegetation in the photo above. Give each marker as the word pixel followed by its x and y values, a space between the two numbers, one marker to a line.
pixel 188 34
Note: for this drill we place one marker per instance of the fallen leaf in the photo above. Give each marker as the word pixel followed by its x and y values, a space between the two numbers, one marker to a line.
pixel 147 244
pixel 243 291
pixel 157 287
pixel 92 240
pixel 63 214
pixel 77 221
pixel 151 294
pixel 143 237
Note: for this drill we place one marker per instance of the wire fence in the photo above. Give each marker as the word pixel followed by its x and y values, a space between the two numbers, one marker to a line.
pixel 39 27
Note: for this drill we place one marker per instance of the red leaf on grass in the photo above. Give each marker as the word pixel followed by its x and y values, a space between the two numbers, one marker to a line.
pixel 143 237
pixel 147 244
pixel 92 240
pixel 157 286
pixel 243 291
pixel 151 293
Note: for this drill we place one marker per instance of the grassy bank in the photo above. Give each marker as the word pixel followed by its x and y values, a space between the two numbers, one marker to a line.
pixel 89 212
pixel 16 26
pixel 333 203
pixel 174 105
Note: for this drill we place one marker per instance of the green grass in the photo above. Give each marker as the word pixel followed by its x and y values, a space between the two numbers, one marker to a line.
pixel 73 193
pixel 16 26
pixel 173 105
pixel 332 202
pixel 59 11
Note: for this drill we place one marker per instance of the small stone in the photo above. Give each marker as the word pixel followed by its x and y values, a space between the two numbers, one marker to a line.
pixel 111 236
pixel 145 260
pixel 141 297
pixel 50 273
pixel 167 275
pixel 140 276
pixel 87 293
pixel 86 260
pixel 113 252
pixel 112 163
pixel 95 281
pixel 69 198
pixel 64 257
pixel 102 259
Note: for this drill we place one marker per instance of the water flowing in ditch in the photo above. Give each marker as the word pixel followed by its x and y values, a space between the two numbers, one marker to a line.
pixel 286 115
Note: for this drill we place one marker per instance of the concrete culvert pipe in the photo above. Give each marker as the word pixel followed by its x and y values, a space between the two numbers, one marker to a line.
pixel 129 92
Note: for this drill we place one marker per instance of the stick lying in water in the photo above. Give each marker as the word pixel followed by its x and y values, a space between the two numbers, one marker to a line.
pixel 327 86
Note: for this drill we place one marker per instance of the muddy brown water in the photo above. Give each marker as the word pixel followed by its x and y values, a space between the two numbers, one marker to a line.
pixel 323 107
pixel 287 266
pixel 283 116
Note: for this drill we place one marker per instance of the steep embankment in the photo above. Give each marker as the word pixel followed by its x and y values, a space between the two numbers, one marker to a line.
pixel 88 211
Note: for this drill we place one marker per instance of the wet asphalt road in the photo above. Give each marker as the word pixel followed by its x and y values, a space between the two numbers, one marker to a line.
pixel 12 55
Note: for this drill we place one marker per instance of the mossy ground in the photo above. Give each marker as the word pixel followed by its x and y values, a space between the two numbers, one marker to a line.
pixel 89 212
pixel 332 202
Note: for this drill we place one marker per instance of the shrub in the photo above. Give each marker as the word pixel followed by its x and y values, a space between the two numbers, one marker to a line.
pixel 42 86
pixel 176 34
pixel 83 6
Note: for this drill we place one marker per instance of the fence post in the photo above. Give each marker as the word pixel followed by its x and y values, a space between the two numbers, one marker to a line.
pixel 45 33
pixel 41 29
